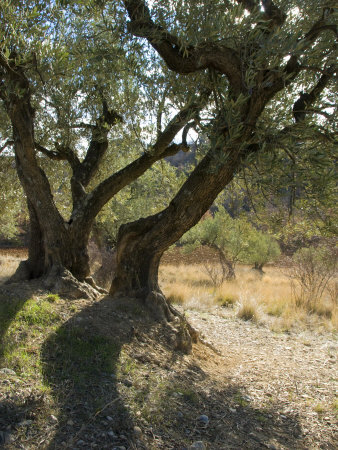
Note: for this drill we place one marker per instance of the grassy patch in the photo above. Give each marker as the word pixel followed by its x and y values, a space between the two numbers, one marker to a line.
pixel 24 325
pixel 74 355
pixel 227 301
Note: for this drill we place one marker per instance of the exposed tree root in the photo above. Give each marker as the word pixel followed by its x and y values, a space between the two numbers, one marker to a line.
pixel 60 281
pixel 186 335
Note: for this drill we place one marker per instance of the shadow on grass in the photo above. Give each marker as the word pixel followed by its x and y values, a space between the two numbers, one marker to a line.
pixel 80 362
pixel 12 300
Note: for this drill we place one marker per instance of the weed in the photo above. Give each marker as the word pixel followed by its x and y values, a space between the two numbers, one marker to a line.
pixel 37 312
pixel 52 298
pixel 319 408
pixel 238 398
pixel 227 301
pixel 248 310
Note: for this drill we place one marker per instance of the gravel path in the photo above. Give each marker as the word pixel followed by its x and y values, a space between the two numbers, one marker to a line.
pixel 294 373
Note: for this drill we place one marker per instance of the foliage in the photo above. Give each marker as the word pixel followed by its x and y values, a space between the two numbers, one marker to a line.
pixel 226 236
pixel 262 249
pixel 234 240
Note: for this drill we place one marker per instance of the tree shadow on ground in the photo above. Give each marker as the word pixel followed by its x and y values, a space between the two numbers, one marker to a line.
pixel 85 366
pixel 232 421
pixel 110 368
pixel 12 299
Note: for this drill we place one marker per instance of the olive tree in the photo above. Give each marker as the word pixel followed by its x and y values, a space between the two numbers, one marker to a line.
pixel 73 97
pixel 270 67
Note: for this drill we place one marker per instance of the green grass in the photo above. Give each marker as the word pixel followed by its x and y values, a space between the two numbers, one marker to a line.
pixel 73 354
pixel 25 326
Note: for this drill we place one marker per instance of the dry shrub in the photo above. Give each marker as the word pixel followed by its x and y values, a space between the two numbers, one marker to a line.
pixel 215 272
pixel 311 272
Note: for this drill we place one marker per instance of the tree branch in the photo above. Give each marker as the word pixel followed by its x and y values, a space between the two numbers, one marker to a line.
pixel 163 147
pixel 293 67
pixel 6 144
pixel 179 58
pixel 56 156
pixel 98 145
pixel 305 100
pixel 271 12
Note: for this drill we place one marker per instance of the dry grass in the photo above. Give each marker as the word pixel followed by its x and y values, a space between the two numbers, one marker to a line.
pixel 268 298
pixel 9 261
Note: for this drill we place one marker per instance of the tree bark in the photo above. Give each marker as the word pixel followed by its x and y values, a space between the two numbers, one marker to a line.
pixel 140 244
pixel 54 244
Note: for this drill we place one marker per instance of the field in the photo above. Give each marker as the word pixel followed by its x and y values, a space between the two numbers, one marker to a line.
pixel 268 299
pixel 100 374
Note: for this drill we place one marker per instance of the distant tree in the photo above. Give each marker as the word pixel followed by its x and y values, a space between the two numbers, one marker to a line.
pixel 261 250
pixel 228 237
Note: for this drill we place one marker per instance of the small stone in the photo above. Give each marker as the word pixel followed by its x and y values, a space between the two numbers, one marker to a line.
pixel 7 371
pixel 80 442
pixel 110 419
pixel 180 415
pixel 70 422
pixel 198 445
pixel 53 418
pixel 111 434
pixel 137 432
pixel 203 419
pixel 233 410
pixel 272 447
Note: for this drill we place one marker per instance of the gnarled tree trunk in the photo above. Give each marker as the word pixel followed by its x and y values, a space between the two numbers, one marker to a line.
pixel 141 243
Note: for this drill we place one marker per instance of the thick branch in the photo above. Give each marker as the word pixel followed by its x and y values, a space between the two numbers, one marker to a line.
pixel 162 148
pixel 301 106
pixel 85 170
pixel 182 59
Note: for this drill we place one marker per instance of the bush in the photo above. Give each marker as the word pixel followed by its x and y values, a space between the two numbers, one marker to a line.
pixel 312 269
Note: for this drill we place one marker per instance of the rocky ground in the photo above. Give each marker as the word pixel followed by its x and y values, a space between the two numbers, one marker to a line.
pixel 82 374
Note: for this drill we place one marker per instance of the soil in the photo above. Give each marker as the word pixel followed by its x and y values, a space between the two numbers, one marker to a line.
pixel 259 390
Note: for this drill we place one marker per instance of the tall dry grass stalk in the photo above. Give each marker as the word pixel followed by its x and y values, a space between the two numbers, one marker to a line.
pixel 269 298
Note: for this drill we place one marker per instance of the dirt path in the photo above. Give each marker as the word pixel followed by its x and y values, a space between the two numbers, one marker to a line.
pixel 296 373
